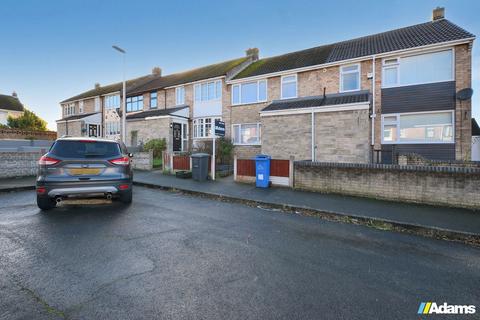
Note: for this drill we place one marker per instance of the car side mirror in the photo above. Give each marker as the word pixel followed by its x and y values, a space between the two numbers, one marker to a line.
pixel 130 155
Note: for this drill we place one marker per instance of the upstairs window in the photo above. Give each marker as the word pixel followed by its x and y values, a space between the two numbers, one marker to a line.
pixel 418 69
pixel 289 87
pixel 179 95
pixel 69 109
pixel 153 100
pixel 350 78
pixel 250 92
pixel 112 101
pixel 80 106
pixel 135 103
pixel 208 91
pixel 97 103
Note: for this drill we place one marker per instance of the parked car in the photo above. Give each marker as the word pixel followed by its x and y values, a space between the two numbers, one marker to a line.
pixel 83 168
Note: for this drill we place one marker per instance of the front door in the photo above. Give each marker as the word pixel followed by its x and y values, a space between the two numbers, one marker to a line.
pixel 93 130
pixel 177 136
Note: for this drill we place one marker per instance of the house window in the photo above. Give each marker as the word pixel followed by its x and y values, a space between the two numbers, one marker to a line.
pixel 112 102
pixel 418 69
pixel 80 106
pixel 250 92
pixel 184 137
pixel 97 103
pixel 246 134
pixel 69 109
pixel 112 127
pixel 350 78
pixel 289 87
pixel 153 100
pixel 202 127
pixel 429 127
pixel 180 95
pixel 208 91
pixel 135 103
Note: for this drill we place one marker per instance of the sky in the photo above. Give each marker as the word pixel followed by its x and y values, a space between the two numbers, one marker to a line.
pixel 52 50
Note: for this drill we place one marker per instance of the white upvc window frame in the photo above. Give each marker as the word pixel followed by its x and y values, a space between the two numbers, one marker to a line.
pixel 239 86
pixel 259 130
pixel 80 106
pixel 152 95
pixel 399 68
pixel 359 77
pixel 97 104
pixel 69 109
pixel 291 81
pixel 111 98
pixel 397 123
pixel 180 95
pixel 195 125
pixel 197 89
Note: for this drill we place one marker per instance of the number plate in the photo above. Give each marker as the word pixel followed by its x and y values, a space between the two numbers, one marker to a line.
pixel 84 171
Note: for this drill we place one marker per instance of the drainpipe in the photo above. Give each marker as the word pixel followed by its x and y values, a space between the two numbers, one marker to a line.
pixel 373 101
pixel 313 135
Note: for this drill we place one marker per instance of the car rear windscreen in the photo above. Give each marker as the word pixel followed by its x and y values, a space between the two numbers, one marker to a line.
pixel 85 149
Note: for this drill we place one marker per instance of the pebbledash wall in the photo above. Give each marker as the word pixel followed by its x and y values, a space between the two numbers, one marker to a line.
pixel 450 186
pixel 19 164
pixel 143 160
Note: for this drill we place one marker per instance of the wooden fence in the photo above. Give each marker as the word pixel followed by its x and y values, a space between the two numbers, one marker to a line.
pixel 281 172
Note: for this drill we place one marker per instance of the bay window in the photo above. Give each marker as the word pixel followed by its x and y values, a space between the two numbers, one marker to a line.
pixel 418 69
pixel 289 87
pixel 208 91
pixel 135 103
pixel 350 78
pixel 180 95
pixel 425 127
pixel 202 127
pixel 246 134
pixel 69 109
pixel 112 102
pixel 250 92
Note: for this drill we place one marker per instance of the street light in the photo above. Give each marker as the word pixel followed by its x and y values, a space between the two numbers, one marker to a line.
pixel 124 109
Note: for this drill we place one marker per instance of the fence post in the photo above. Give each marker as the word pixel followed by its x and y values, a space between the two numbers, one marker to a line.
pixel 234 167
pixel 150 159
pixel 290 172
pixel 190 158
pixel 171 162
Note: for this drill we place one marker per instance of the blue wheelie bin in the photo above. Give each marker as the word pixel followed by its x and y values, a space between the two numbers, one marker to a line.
pixel 262 170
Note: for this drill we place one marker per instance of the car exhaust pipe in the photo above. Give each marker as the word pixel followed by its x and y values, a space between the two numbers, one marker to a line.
pixel 58 199
pixel 109 196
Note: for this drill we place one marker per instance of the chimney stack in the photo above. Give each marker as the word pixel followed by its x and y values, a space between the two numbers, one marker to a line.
pixel 14 94
pixel 438 13
pixel 252 52
pixel 97 85
pixel 157 71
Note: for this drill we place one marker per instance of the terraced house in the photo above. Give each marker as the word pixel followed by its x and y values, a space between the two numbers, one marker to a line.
pixel 182 107
pixel 360 100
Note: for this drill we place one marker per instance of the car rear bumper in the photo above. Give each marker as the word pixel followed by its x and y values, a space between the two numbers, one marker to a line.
pixel 85 188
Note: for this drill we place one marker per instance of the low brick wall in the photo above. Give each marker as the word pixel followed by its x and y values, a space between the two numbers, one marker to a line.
pixel 26 134
pixel 18 164
pixel 143 160
pixel 450 186
pixel 413 159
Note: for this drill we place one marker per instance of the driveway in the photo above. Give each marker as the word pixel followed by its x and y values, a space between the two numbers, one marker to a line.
pixel 174 256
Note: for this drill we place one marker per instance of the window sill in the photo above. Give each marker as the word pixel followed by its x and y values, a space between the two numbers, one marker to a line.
pixel 346 91
pixel 249 103
pixel 248 144
pixel 415 84
pixel 418 142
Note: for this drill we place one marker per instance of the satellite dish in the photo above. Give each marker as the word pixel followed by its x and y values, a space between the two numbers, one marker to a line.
pixel 465 94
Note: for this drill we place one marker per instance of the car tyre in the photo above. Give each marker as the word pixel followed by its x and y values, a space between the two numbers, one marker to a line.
pixel 45 203
pixel 126 197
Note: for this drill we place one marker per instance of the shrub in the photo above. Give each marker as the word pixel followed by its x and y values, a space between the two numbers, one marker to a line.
pixel 225 149
pixel 157 145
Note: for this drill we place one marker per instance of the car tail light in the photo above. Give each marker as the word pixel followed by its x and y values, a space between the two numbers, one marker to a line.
pixel 123 161
pixel 47 161
pixel 123 186
pixel 41 190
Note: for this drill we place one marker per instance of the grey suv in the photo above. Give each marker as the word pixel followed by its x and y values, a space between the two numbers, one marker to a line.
pixel 84 167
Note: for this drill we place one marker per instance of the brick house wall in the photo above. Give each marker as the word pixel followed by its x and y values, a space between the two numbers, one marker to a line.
pixel 463 112
pixel 148 130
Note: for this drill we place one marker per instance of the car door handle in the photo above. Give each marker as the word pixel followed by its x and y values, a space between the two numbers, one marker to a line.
pixel 83 178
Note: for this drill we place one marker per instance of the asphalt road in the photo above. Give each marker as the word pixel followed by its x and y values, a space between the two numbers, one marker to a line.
pixel 179 257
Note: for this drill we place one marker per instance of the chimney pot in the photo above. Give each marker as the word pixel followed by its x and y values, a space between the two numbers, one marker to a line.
pixel 97 85
pixel 438 13
pixel 157 71
pixel 14 94
pixel 252 52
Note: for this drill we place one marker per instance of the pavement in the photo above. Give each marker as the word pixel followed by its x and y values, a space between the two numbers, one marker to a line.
pixel 171 255
pixel 455 220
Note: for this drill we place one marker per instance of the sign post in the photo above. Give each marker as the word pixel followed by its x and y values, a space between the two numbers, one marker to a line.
pixel 218 131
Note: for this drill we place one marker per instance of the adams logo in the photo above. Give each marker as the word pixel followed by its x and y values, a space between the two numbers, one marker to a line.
pixel 445 308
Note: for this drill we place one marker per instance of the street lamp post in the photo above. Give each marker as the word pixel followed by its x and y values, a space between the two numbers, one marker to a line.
pixel 124 93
